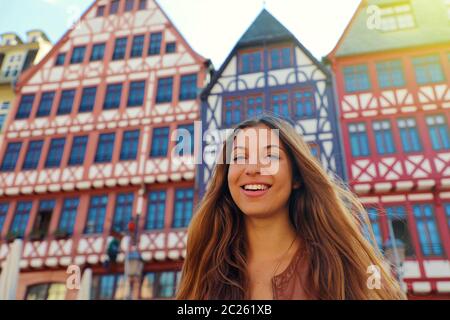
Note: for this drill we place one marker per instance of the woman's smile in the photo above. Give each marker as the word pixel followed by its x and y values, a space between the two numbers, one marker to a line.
pixel 254 189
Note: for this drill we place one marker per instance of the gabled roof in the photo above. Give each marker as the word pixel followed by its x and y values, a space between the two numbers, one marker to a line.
pixel 432 27
pixel 265 29
pixel 30 72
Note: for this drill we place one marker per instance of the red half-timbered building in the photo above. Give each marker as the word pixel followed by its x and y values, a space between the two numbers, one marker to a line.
pixel 392 71
pixel 88 147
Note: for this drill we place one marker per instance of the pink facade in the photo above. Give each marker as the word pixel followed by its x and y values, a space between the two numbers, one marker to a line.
pixel 145 59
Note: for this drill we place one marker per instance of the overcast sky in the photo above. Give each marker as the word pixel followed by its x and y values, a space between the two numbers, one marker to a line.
pixel 212 27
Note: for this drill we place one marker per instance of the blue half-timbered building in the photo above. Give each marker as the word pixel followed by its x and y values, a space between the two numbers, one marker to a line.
pixel 270 71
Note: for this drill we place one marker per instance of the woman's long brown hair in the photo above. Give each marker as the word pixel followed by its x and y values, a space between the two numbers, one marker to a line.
pixel 327 217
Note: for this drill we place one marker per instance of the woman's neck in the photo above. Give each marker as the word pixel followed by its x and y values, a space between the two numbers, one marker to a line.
pixel 269 237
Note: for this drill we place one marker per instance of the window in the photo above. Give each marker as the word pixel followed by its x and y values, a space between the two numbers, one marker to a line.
pixel 447 213
pixel 120 49
pixel 160 285
pixel 46 291
pixel 160 143
pixel 356 78
pixel 251 62
pixel 142 4
pixel 188 90
pixel 123 211
pixel 114 7
pixel 375 222
pixel 43 218
pixel 155 43
pixel 98 52
pixel 6 105
pixel 397 17
pixel 129 5
pixel 68 216
pixel 60 59
pixel 55 153
pixel 383 137
pixel 26 103
pixel 45 105
pixel 427 231
pixel 105 148
pixel 78 151
pixel 66 102
pixel 165 87
pixel 390 74
pixel 304 103
pixel 2 121
pixel 409 135
pixel 136 94
pixel 33 155
pixel 438 129
pixel 255 106
pixel 428 69
pixel 113 96
pixel 171 47
pixel 96 214
pixel 78 55
pixel 281 58
pixel 185 140
pixel 138 46
pixel 107 287
pixel 88 97
pixel 11 156
pixel 315 149
pixel 397 218
pixel 232 111
pixel 3 212
pixel 280 104
pixel 130 143
pixel 21 216
pixel 358 140
pixel 100 11
pixel 184 202
pixel 156 209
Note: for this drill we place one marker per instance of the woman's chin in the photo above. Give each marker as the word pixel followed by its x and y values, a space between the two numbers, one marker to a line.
pixel 256 213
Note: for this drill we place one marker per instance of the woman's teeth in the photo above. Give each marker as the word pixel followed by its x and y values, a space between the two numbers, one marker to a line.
pixel 255 187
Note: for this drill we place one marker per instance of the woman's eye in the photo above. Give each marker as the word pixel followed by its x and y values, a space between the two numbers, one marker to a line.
pixel 273 156
pixel 237 158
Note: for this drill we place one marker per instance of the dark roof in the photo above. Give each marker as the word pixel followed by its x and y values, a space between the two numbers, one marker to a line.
pixel 266 28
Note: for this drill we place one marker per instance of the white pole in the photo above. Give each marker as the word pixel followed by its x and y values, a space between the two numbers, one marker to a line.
pixel 398 265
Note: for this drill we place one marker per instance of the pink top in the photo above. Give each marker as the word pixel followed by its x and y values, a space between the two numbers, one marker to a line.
pixel 289 284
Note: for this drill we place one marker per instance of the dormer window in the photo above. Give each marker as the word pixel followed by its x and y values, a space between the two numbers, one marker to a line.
pixel 397 17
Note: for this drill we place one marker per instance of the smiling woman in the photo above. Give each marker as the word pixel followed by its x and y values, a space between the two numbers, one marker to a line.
pixel 274 225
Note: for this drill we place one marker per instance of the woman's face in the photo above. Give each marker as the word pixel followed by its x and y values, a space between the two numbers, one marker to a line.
pixel 260 173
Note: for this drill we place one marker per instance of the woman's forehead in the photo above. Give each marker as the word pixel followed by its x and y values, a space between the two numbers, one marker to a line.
pixel 257 137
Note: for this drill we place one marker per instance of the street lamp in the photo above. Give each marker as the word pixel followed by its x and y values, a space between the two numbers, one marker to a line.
pixel 135 264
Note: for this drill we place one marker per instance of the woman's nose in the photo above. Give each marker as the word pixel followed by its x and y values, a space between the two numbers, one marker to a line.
pixel 252 169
